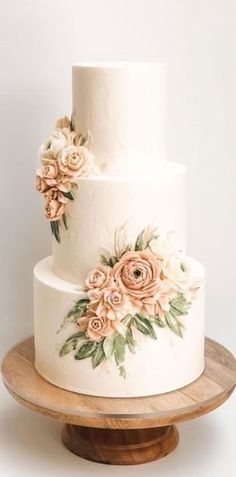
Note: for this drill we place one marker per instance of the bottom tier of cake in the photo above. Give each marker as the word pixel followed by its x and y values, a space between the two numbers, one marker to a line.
pixel 158 365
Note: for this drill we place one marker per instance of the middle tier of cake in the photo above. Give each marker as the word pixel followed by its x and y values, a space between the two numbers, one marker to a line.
pixel 104 204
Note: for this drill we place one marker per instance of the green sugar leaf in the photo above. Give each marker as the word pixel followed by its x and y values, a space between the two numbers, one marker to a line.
pixel 71 343
pixel 109 345
pixel 144 326
pixel 69 195
pixel 98 356
pixel 119 351
pixel 173 324
pixel 86 350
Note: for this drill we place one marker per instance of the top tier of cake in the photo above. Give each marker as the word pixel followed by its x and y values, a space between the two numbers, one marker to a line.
pixel 122 107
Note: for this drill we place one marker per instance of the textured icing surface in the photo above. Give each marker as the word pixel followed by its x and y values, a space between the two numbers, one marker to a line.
pixel 124 109
pixel 104 203
pixel 182 359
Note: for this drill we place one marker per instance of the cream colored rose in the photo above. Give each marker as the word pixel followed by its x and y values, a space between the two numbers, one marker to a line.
pixel 75 161
pixel 54 210
pixel 98 277
pixel 96 327
pixel 59 140
pixel 138 274
pixel 41 185
pixel 110 302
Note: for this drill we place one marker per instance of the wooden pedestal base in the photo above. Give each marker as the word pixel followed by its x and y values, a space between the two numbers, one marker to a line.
pixel 120 430
pixel 120 446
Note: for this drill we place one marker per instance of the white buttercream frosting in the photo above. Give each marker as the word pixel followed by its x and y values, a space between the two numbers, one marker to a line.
pixel 122 106
pixel 158 366
pixel 104 203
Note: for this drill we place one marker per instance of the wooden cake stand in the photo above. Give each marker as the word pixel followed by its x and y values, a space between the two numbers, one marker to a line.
pixel 120 430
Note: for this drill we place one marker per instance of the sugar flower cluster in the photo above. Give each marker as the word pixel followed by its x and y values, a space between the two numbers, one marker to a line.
pixel 64 157
pixel 135 289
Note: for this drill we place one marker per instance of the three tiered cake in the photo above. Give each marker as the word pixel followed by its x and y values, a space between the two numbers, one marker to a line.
pixel 119 307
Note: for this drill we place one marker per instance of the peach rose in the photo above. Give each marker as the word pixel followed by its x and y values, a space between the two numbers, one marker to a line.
pixel 75 161
pixel 110 302
pixel 41 185
pixel 55 194
pixel 98 277
pixel 54 210
pixel 160 302
pixel 138 274
pixel 96 327
pixel 49 174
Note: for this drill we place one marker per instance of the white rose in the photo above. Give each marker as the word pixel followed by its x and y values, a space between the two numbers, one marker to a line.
pixel 59 140
pixel 179 273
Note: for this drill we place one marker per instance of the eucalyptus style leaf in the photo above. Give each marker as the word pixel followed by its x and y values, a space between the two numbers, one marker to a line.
pixel 65 221
pixel 144 326
pixel 145 237
pixel 78 309
pixel 86 350
pixel 98 356
pixel 130 340
pixel 71 343
pixel 180 305
pixel 122 371
pixel 119 351
pixel 127 320
pixel 55 229
pixel 158 321
pixel 75 313
pixel 173 324
pixel 109 344
pixel 69 195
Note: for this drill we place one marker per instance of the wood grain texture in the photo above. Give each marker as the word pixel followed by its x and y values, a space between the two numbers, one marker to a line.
pixel 120 446
pixel 205 394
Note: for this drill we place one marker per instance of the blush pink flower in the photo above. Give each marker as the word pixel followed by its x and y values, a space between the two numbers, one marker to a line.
pixel 40 184
pixel 55 194
pixel 96 327
pixel 98 277
pixel 110 302
pixel 160 302
pixel 75 161
pixel 54 210
pixel 49 174
pixel 138 274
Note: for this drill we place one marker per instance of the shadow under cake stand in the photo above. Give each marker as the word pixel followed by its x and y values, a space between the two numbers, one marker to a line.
pixel 120 430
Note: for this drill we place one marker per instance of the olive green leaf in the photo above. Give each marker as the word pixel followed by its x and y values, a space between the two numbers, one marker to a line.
pixel 71 343
pixel 98 355
pixel 144 326
pixel 127 320
pixel 75 313
pixel 179 306
pixel 145 237
pixel 55 229
pixel 69 195
pixel 65 221
pixel 130 340
pixel 173 324
pixel 122 371
pixel 109 344
pixel 119 351
pixel 86 350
